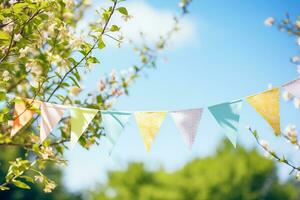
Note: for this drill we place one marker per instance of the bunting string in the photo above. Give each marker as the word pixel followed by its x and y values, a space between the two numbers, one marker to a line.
pixel 227 115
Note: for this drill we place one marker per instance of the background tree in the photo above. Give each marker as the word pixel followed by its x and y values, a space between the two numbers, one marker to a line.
pixel 44 57
pixel 229 174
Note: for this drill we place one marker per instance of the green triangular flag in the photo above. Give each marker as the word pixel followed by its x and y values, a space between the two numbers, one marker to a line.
pixel 114 123
pixel 80 119
pixel 228 115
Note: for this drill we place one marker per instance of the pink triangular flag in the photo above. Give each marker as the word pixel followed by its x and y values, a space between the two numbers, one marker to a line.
pixel 187 121
pixel 293 87
pixel 51 115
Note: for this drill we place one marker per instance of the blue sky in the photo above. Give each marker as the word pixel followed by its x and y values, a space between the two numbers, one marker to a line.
pixel 225 53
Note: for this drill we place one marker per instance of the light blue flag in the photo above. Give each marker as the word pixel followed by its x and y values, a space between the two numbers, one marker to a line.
pixel 228 115
pixel 114 123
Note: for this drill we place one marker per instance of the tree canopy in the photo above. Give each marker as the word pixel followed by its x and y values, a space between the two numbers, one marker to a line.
pixel 229 174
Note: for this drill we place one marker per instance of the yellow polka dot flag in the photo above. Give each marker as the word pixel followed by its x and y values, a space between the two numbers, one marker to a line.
pixel 149 124
pixel 267 104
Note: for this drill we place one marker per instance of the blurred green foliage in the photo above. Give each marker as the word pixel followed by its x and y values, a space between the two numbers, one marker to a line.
pixel 229 174
pixel 36 191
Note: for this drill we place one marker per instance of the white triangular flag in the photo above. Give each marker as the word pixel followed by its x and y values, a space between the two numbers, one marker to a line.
pixel 51 114
pixel 293 87
pixel 187 121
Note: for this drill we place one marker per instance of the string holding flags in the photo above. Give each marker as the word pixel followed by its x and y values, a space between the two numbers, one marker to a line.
pixel 227 115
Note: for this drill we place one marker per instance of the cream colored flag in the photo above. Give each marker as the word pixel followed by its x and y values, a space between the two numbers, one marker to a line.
pixel 51 114
pixel 23 113
pixel 293 87
pixel 149 124
pixel 267 104
pixel 187 121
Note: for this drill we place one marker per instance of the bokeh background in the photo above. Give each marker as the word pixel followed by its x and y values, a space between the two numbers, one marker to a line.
pixel 223 52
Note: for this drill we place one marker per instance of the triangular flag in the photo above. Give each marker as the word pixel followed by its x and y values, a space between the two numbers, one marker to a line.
pixel 80 119
pixel 187 121
pixel 149 124
pixel 293 87
pixel 50 116
pixel 22 114
pixel 228 115
pixel 114 122
pixel 267 104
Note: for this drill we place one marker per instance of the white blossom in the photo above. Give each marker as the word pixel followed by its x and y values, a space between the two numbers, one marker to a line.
pixel 298 23
pixel 248 127
pixel 9 24
pixel 270 86
pixel 34 82
pixel 6 76
pixel 298 69
pixel 264 144
pixel 269 21
pixel 298 41
pixel 69 3
pixel 39 178
pixel 298 175
pixel 12 2
pixel 291 131
pixel 46 152
pixel 49 187
pixel 181 4
pixel 297 103
pixel 34 67
pixel 17 37
pixel 295 59
pixel 87 2
pixel 24 51
pixel 287 96
pixel 76 42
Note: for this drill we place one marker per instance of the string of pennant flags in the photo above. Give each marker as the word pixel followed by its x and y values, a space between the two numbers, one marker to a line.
pixel 227 115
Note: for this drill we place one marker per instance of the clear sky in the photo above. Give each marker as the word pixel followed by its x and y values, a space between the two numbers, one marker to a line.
pixel 225 53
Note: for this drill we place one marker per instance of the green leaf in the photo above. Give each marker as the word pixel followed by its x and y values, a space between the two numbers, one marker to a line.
pixel 21 184
pixel 101 44
pixel 27 178
pixel 123 10
pixel 92 60
pixel 4 188
pixel 114 28
pixel 2 96
pixel 76 74
pixel 4 35
pixel 73 61
pixel 57 74
pixel 74 81
pixel 18 7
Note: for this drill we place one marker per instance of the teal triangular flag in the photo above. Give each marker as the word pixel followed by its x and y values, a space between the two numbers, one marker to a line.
pixel 114 123
pixel 228 115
